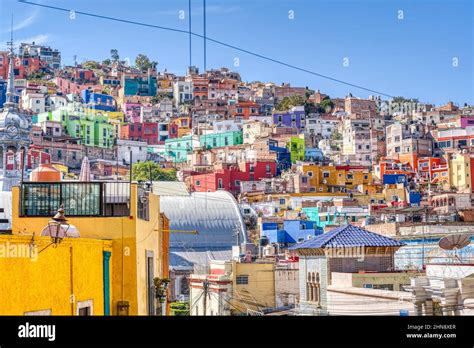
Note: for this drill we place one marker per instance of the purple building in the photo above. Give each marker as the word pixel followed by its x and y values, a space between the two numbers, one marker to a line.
pixel 293 118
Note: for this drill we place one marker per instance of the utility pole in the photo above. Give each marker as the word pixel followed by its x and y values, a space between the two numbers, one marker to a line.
pixel 205 286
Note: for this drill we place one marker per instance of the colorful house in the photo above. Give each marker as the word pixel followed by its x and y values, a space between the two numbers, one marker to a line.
pixel 90 129
pixel 210 141
pixel 296 145
pixel 177 149
pixel 230 178
pixel 294 118
pixel 291 231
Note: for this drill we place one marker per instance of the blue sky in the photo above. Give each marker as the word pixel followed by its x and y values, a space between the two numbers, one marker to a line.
pixel 412 56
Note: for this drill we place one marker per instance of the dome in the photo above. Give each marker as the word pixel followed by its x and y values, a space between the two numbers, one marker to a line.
pixel 10 117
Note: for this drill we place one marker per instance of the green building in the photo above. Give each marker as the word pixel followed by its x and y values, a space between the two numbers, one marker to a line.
pixel 177 149
pixel 210 141
pixel 140 86
pixel 297 149
pixel 89 129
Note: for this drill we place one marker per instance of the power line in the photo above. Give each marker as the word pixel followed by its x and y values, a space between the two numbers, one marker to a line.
pixel 206 38
pixel 190 33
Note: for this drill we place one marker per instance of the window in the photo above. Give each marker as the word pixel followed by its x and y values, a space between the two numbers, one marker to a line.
pixel 198 182
pixel 242 279
pixel 282 201
pixel 325 174
pixel 268 168
pixel 219 183
pixel 85 308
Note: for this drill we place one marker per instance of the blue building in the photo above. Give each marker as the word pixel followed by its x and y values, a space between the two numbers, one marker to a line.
pixel 392 179
pixel 290 232
pixel 283 159
pixel 98 101
pixel 415 198
pixel 313 155
pixel 3 92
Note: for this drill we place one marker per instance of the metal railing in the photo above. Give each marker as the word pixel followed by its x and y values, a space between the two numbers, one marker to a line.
pixel 78 198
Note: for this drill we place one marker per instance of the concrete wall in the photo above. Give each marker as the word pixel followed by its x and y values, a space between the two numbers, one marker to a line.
pixel 287 289
pixel 357 280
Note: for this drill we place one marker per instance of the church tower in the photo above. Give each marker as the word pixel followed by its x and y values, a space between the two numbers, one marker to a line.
pixel 14 133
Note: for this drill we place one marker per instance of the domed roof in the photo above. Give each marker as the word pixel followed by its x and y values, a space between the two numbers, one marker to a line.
pixel 11 117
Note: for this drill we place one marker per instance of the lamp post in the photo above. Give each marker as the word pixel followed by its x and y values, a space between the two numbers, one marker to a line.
pixel 161 292
pixel 55 225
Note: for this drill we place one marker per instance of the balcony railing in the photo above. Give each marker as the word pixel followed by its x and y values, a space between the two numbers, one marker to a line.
pixel 92 199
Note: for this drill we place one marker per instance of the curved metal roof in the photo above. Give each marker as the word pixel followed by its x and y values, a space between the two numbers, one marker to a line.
pixel 215 215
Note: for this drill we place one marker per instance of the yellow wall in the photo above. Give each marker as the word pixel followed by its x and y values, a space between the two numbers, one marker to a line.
pixel 129 234
pixel 149 238
pixel 47 280
pixel 336 177
pixel 459 172
pixel 260 288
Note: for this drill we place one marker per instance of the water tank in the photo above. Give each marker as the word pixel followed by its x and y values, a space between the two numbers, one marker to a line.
pixel 45 172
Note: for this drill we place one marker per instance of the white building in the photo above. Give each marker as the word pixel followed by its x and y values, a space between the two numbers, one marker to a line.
pixel 182 92
pixel 138 148
pixel 222 126
pixel 33 100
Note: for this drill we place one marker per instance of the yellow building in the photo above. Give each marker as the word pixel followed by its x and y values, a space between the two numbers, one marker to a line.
pixel 124 216
pixel 233 288
pixel 253 285
pixel 460 172
pixel 336 178
pixel 70 279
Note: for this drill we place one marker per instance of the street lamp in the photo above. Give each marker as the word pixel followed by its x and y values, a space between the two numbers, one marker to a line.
pixel 161 287
pixel 58 227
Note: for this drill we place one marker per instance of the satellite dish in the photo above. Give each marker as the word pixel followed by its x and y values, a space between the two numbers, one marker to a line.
pixel 454 241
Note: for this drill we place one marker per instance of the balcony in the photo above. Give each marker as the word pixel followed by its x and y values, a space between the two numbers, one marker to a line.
pixel 80 199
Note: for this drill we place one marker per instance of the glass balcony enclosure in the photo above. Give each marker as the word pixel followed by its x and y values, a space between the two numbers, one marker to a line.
pixel 78 198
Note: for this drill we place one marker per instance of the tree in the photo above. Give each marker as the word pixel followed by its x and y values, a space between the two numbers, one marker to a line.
pixel 143 171
pixel 402 100
pixel 114 55
pixel 326 104
pixel 287 102
pixel 106 62
pixel 90 65
pixel 143 63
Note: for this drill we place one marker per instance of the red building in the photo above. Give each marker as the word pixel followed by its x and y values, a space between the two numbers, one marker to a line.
pixel 244 110
pixel 229 178
pixel 146 131
pixel 428 165
pixel 23 67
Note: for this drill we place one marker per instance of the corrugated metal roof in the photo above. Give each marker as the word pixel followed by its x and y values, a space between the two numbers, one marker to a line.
pixel 347 236
pixel 186 259
pixel 215 215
